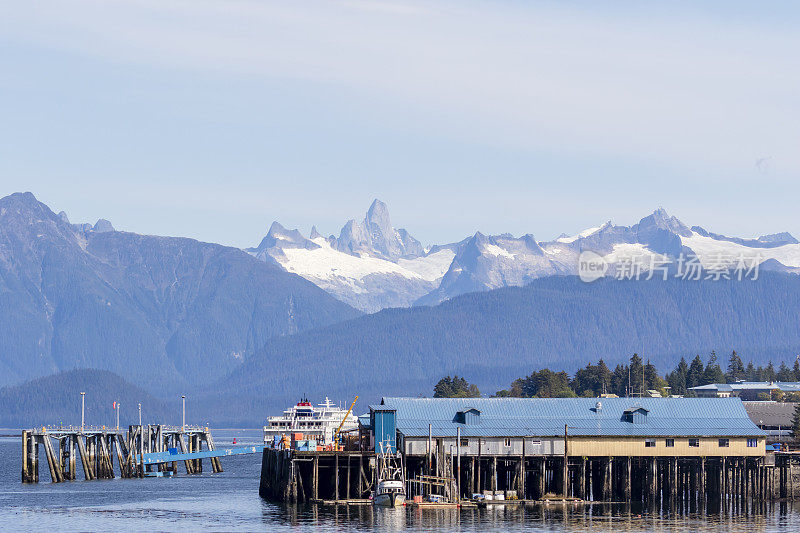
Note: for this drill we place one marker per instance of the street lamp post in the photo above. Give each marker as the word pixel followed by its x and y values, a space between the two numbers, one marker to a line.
pixel 83 409
pixel 183 412
pixel 117 409
pixel 140 414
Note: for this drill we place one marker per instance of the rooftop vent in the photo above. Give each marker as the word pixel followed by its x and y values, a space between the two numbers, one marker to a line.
pixel 468 417
pixel 635 415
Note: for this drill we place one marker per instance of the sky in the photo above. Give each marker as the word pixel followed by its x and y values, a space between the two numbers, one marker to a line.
pixel 210 119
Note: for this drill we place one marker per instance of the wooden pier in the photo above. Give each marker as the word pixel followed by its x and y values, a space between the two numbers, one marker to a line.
pixel 685 482
pixel 97 447
pixel 327 476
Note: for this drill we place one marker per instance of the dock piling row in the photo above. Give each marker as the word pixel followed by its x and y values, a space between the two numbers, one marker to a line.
pixel 687 482
pixel 96 448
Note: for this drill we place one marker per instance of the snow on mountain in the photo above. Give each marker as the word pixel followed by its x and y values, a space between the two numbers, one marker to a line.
pixel 712 251
pixel 585 233
pixel 430 267
pixel 490 262
pixel 376 236
pixel 660 237
pixel 371 265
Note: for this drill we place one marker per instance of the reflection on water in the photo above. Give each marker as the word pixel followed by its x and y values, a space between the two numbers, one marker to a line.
pixel 532 517
pixel 230 502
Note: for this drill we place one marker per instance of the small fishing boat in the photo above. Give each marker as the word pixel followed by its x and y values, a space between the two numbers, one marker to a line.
pixel 389 493
pixel 390 489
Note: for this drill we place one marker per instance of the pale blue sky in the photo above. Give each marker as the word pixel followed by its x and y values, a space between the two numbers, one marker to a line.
pixel 209 119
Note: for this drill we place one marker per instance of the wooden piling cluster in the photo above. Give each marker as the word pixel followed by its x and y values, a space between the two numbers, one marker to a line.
pixel 158 438
pixel 686 482
pixel 649 480
pixel 96 449
pixel 327 476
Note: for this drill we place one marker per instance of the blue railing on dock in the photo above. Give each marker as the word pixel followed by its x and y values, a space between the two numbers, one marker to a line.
pixel 174 455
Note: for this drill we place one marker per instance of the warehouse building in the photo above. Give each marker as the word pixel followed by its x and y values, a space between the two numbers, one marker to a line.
pixel 746 390
pixel 579 447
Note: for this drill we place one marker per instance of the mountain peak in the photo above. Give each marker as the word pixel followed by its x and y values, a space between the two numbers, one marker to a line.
pixel 378 216
pixel 377 237
pixel 102 226
pixel 660 219
pixel 276 228
pixel 26 196
pixel 280 237
pixel 26 199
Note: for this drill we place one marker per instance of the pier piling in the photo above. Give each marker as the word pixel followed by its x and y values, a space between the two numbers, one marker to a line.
pixel 97 447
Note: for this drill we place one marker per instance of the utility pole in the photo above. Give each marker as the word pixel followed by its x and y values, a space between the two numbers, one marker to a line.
pixel 458 464
pixel 430 448
pixel 628 388
pixel 83 409
pixel 183 412
pixel 566 467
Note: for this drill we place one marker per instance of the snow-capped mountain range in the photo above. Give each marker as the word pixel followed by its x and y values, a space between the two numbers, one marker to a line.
pixel 371 265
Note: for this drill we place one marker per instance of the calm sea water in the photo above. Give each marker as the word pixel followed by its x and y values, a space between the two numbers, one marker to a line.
pixel 230 502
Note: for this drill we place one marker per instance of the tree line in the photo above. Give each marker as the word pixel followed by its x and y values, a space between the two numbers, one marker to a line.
pixel 632 379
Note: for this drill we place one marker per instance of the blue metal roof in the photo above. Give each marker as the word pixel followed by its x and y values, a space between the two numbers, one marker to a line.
pixel 785 386
pixel 546 417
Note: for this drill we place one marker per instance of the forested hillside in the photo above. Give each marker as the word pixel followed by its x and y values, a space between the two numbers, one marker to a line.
pixel 164 312
pixel 56 400
pixel 494 337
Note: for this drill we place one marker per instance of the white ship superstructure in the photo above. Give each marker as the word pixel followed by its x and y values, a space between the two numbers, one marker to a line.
pixel 314 422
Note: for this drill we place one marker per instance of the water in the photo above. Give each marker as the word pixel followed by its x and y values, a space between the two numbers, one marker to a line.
pixel 230 502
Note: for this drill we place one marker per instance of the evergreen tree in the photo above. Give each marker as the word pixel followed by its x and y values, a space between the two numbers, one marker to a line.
pixel 619 380
pixel 515 391
pixel 735 368
pixel 695 374
pixel 796 369
pixel 713 372
pixel 636 376
pixel 677 378
pixel 634 379
pixel 604 375
pixel 784 373
pixel 652 380
pixel 593 380
pixel 455 387
pixel 585 381
pixel 750 372
pixel 769 373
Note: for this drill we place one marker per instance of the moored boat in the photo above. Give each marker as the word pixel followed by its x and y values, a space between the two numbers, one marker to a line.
pixel 389 493
pixel 314 422
pixel 390 489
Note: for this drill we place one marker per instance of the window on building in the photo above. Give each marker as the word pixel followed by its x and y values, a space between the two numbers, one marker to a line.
pixel 508 443
pixel 752 443
pixel 670 443
pixel 649 443
pixel 464 442
pixel 724 443
pixel 694 443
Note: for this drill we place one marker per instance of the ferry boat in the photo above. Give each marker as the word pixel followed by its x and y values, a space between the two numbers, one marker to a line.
pixel 314 422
